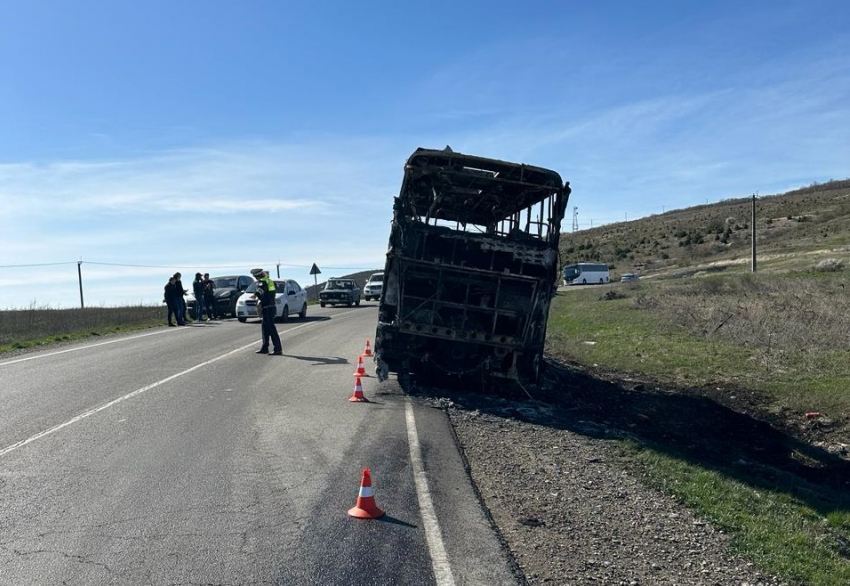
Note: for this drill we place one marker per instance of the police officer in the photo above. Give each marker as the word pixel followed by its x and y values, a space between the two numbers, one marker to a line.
pixel 266 296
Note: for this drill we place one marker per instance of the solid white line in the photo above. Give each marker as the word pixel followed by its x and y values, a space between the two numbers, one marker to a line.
pixel 433 535
pixel 114 402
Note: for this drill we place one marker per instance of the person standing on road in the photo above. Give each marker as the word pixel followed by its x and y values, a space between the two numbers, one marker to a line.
pixel 170 300
pixel 266 296
pixel 179 292
pixel 209 296
pixel 200 300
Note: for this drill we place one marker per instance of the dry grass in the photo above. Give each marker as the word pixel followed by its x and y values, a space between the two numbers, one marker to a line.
pixel 34 326
pixel 778 317
pixel 810 220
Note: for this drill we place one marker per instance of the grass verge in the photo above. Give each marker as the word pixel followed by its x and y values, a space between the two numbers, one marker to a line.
pixel 781 534
pixel 782 338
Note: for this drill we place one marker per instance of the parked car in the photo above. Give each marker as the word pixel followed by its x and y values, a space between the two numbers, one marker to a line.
pixel 339 291
pixel 627 277
pixel 373 287
pixel 289 298
pixel 227 290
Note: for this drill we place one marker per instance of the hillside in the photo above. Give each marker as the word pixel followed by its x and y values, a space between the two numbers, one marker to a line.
pixel 794 230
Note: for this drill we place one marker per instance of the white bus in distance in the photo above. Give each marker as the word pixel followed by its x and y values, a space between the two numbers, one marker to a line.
pixel 585 273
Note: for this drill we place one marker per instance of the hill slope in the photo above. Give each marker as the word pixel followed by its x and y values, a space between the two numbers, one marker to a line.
pixel 793 230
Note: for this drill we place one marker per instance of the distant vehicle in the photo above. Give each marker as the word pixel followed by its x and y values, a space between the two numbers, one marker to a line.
pixel 373 287
pixel 627 277
pixel 227 290
pixel 470 270
pixel 289 298
pixel 585 273
pixel 339 291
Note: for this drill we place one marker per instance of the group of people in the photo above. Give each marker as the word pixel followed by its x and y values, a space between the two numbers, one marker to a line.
pixel 204 289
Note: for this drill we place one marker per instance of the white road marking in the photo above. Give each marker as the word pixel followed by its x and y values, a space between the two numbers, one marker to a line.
pixel 433 535
pixel 121 399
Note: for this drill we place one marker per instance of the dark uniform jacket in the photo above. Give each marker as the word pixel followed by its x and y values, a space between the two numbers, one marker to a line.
pixel 209 289
pixel 266 292
pixel 170 293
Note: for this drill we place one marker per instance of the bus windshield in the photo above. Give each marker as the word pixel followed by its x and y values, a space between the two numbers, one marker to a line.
pixel 571 272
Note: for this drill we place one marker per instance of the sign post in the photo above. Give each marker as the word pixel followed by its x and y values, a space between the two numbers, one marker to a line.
pixel 315 271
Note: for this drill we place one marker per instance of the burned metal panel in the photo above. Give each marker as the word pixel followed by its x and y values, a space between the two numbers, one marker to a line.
pixel 471 267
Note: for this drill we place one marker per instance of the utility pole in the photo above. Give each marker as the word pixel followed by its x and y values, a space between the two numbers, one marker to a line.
pixel 753 226
pixel 575 218
pixel 80 279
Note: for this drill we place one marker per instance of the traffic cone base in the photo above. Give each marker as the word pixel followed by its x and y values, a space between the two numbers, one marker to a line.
pixel 357 396
pixel 366 507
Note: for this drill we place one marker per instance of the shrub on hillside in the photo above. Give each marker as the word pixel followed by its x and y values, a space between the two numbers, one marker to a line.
pixel 829 265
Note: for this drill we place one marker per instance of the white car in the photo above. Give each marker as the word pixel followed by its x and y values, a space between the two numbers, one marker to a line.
pixel 373 287
pixel 289 297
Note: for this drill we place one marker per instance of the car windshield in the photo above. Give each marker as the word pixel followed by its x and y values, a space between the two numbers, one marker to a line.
pixel 338 285
pixel 279 287
pixel 376 278
pixel 225 282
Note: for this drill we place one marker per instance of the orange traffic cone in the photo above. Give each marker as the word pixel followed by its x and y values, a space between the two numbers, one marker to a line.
pixel 360 370
pixel 366 507
pixel 358 392
pixel 368 350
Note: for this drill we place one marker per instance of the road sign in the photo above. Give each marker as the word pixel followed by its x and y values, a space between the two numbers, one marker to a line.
pixel 315 270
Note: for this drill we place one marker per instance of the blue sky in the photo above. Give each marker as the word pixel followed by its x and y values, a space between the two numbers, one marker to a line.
pixel 149 137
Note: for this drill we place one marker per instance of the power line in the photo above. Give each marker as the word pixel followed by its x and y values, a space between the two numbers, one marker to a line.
pixel 174 267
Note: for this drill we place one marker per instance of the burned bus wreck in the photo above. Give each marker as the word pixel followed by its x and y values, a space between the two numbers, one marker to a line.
pixel 471 267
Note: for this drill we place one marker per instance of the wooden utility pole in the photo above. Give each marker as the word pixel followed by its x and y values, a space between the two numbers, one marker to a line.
pixel 80 279
pixel 753 227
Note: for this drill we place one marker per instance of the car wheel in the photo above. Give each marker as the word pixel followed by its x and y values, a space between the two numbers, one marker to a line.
pixel 284 317
pixel 348 303
pixel 233 307
pixel 303 313
pixel 322 304
pixel 357 303
pixel 243 319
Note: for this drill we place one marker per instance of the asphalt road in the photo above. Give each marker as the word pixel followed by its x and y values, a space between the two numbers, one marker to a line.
pixel 178 456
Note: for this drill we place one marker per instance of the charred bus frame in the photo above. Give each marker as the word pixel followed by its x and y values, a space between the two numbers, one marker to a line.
pixel 471 267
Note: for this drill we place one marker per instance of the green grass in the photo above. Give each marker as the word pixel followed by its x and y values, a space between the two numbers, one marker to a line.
pixel 778 532
pixel 617 335
pixel 783 336
pixel 676 333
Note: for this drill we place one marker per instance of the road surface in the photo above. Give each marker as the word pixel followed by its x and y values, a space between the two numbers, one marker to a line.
pixel 179 456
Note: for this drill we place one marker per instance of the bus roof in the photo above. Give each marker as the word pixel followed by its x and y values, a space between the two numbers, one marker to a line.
pixel 456 187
